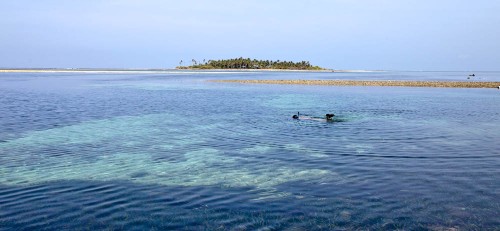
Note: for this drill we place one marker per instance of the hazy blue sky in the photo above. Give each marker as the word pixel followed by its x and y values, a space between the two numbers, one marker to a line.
pixel 340 34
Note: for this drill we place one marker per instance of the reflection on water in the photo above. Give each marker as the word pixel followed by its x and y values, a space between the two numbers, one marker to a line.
pixel 172 151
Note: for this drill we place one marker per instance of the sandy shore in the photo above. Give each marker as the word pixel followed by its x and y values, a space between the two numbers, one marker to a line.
pixel 389 83
pixel 84 70
pixel 90 70
pixel 111 70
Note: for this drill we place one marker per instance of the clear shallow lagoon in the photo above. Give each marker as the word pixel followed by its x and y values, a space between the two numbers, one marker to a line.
pixel 173 151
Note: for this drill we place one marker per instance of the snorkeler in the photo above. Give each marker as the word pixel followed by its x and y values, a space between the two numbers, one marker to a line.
pixel 329 117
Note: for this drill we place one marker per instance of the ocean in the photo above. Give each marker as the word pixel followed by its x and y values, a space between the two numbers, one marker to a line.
pixel 171 150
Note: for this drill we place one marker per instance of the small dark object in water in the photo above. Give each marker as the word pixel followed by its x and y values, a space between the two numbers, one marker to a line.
pixel 329 116
pixel 472 75
pixel 138 174
pixel 296 116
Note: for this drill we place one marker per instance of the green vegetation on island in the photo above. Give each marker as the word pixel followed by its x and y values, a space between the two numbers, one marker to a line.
pixel 246 63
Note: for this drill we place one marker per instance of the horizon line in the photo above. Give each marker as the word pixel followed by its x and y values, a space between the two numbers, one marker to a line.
pixel 174 68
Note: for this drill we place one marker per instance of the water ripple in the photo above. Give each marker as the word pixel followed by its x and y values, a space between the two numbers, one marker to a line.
pixel 159 152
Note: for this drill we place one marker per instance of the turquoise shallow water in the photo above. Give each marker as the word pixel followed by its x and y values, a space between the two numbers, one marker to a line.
pixel 173 151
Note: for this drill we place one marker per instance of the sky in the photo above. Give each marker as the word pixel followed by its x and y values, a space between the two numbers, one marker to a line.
pixel 439 35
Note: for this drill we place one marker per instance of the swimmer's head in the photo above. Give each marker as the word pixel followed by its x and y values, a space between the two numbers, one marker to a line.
pixel 295 117
pixel 329 116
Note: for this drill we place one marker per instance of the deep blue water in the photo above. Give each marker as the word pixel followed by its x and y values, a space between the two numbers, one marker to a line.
pixel 173 151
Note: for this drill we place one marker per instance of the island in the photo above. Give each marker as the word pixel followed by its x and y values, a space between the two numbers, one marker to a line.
pixel 250 64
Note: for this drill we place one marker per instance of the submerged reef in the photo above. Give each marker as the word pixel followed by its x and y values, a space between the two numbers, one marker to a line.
pixel 388 83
